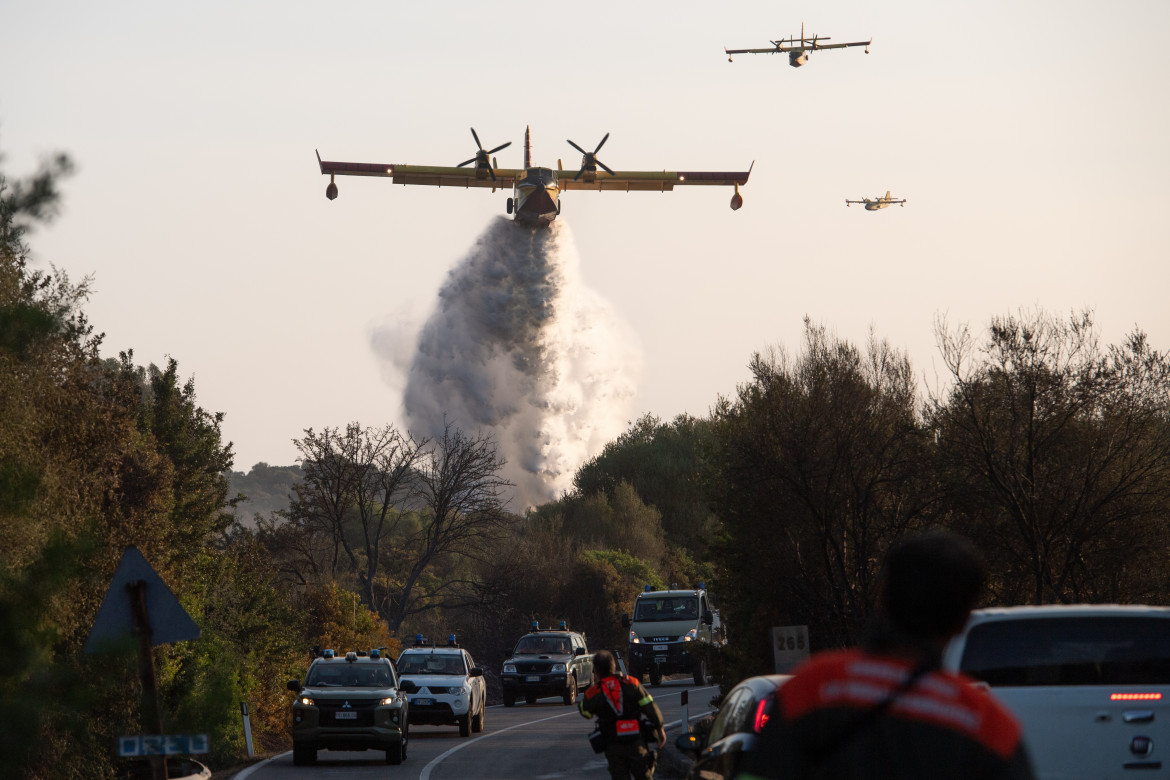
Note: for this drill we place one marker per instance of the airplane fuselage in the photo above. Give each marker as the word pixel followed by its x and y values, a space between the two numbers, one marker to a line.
pixel 536 198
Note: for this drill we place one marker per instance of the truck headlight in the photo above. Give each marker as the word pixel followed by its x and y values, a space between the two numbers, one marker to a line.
pixel 455 691
pixel 306 701
pixel 509 668
pixel 386 701
pixel 691 635
pixel 558 667
pixel 634 639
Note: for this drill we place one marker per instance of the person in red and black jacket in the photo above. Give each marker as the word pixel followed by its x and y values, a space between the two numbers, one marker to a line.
pixel 887 710
pixel 620 704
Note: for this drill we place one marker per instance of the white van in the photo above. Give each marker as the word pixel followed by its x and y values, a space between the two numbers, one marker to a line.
pixel 1089 683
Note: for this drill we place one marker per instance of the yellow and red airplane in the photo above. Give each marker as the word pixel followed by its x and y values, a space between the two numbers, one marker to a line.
pixel 797 49
pixel 535 200
pixel 877 203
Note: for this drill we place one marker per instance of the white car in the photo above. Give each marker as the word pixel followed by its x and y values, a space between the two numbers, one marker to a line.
pixel 1089 683
pixel 451 690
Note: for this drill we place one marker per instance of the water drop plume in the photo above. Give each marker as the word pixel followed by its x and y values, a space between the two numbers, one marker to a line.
pixel 519 347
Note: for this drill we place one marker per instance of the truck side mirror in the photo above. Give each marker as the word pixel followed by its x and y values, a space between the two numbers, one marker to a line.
pixel 408 686
pixel 688 743
pixel 476 671
pixel 625 620
pixel 294 686
pixel 579 651
pixel 708 618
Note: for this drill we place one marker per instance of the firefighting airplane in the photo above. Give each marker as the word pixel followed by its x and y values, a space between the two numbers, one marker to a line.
pixel 878 203
pixel 535 200
pixel 798 49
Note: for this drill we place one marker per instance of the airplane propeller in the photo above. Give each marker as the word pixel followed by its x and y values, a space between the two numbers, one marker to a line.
pixel 482 157
pixel 589 161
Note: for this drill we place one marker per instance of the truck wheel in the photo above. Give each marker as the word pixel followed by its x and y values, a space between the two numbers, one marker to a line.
pixel 655 676
pixel 530 698
pixel 395 753
pixel 570 693
pixel 304 755
pixel 701 672
pixel 509 700
pixel 635 674
pixel 465 725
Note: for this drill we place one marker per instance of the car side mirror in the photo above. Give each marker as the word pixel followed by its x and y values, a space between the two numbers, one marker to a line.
pixel 408 686
pixel 579 651
pixel 476 671
pixel 688 743
pixel 294 686
pixel 625 620
pixel 708 618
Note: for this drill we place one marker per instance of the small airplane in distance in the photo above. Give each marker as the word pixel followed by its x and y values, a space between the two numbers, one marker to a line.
pixel 877 203
pixel 797 49
pixel 535 200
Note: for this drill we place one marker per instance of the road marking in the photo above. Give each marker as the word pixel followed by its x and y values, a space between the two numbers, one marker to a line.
pixel 426 772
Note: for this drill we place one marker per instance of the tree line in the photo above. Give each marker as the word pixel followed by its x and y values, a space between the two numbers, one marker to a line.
pixel 1049 449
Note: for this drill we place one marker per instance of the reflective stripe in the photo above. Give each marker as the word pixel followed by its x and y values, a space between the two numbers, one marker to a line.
pixel 646 701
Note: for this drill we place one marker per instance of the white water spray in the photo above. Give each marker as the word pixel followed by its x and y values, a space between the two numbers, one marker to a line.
pixel 519 347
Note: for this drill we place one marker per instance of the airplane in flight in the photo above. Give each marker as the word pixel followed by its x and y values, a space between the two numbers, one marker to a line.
pixel 535 200
pixel 797 49
pixel 877 203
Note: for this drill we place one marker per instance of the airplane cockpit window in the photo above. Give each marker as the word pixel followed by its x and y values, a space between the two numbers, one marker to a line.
pixel 541 176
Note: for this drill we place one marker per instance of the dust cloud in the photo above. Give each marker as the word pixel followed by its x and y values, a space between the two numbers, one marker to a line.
pixel 517 346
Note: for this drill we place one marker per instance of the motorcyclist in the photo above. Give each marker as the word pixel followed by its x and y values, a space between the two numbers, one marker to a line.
pixel 620 705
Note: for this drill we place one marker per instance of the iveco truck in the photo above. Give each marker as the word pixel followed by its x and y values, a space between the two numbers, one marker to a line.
pixel 666 629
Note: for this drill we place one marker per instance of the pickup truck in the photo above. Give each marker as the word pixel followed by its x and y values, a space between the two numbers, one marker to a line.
pixel 1089 683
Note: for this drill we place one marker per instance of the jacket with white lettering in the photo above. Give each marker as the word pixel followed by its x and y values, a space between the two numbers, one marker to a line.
pixel 942 726
pixel 618 697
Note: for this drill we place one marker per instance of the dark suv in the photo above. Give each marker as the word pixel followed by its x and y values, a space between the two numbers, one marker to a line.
pixel 547 663
pixel 350 702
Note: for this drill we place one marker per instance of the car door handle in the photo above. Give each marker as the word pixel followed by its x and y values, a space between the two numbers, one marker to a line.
pixel 1139 716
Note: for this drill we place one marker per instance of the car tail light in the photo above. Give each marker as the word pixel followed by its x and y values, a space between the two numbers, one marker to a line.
pixel 761 715
pixel 1135 696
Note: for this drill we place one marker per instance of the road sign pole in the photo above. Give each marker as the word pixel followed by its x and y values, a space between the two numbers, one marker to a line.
pixel 151 713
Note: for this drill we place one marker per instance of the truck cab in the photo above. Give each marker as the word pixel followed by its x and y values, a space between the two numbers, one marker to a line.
pixel 665 631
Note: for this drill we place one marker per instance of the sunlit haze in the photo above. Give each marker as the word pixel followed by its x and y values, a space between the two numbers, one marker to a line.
pixel 1030 139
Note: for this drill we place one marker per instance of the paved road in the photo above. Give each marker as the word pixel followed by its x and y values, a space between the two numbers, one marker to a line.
pixel 539 741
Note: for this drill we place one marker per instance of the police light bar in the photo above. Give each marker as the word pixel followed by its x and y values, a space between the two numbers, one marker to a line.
pixel 535 625
pixel 375 653
pixel 564 625
pixel 451 641
pixel 328 654
pixel 645 588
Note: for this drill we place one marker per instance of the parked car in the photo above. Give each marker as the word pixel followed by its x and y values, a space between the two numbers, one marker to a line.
pixel 1089 683
pixel 742 713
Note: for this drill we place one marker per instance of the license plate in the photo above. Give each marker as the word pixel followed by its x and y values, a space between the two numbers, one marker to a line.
pixel 660 648
pixel 345 715
pixel 423 702
pixel 532 678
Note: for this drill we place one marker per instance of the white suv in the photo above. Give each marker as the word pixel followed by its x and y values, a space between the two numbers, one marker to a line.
pixel 451 690
pixel 1090 684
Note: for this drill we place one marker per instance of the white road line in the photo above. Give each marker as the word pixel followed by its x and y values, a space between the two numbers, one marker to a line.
pixel 426 773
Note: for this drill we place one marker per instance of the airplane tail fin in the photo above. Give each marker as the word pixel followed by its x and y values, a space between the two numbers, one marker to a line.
pixel 887 194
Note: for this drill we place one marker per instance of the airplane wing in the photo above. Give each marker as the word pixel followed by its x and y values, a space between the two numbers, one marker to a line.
pixel 820 46
pixel 429 175
pixel 776 49
pixel 649 181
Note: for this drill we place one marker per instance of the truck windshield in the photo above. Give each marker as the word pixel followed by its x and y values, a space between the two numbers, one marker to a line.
pixel 348 675
pixel 1085 650
pixel 669 608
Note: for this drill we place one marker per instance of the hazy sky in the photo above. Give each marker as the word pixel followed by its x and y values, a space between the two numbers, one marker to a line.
pixel 1032 140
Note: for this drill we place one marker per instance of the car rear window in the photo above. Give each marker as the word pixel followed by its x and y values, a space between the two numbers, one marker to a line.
pixel 1084 650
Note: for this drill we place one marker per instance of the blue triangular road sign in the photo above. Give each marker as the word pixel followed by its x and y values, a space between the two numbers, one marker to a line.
pixel 169 622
